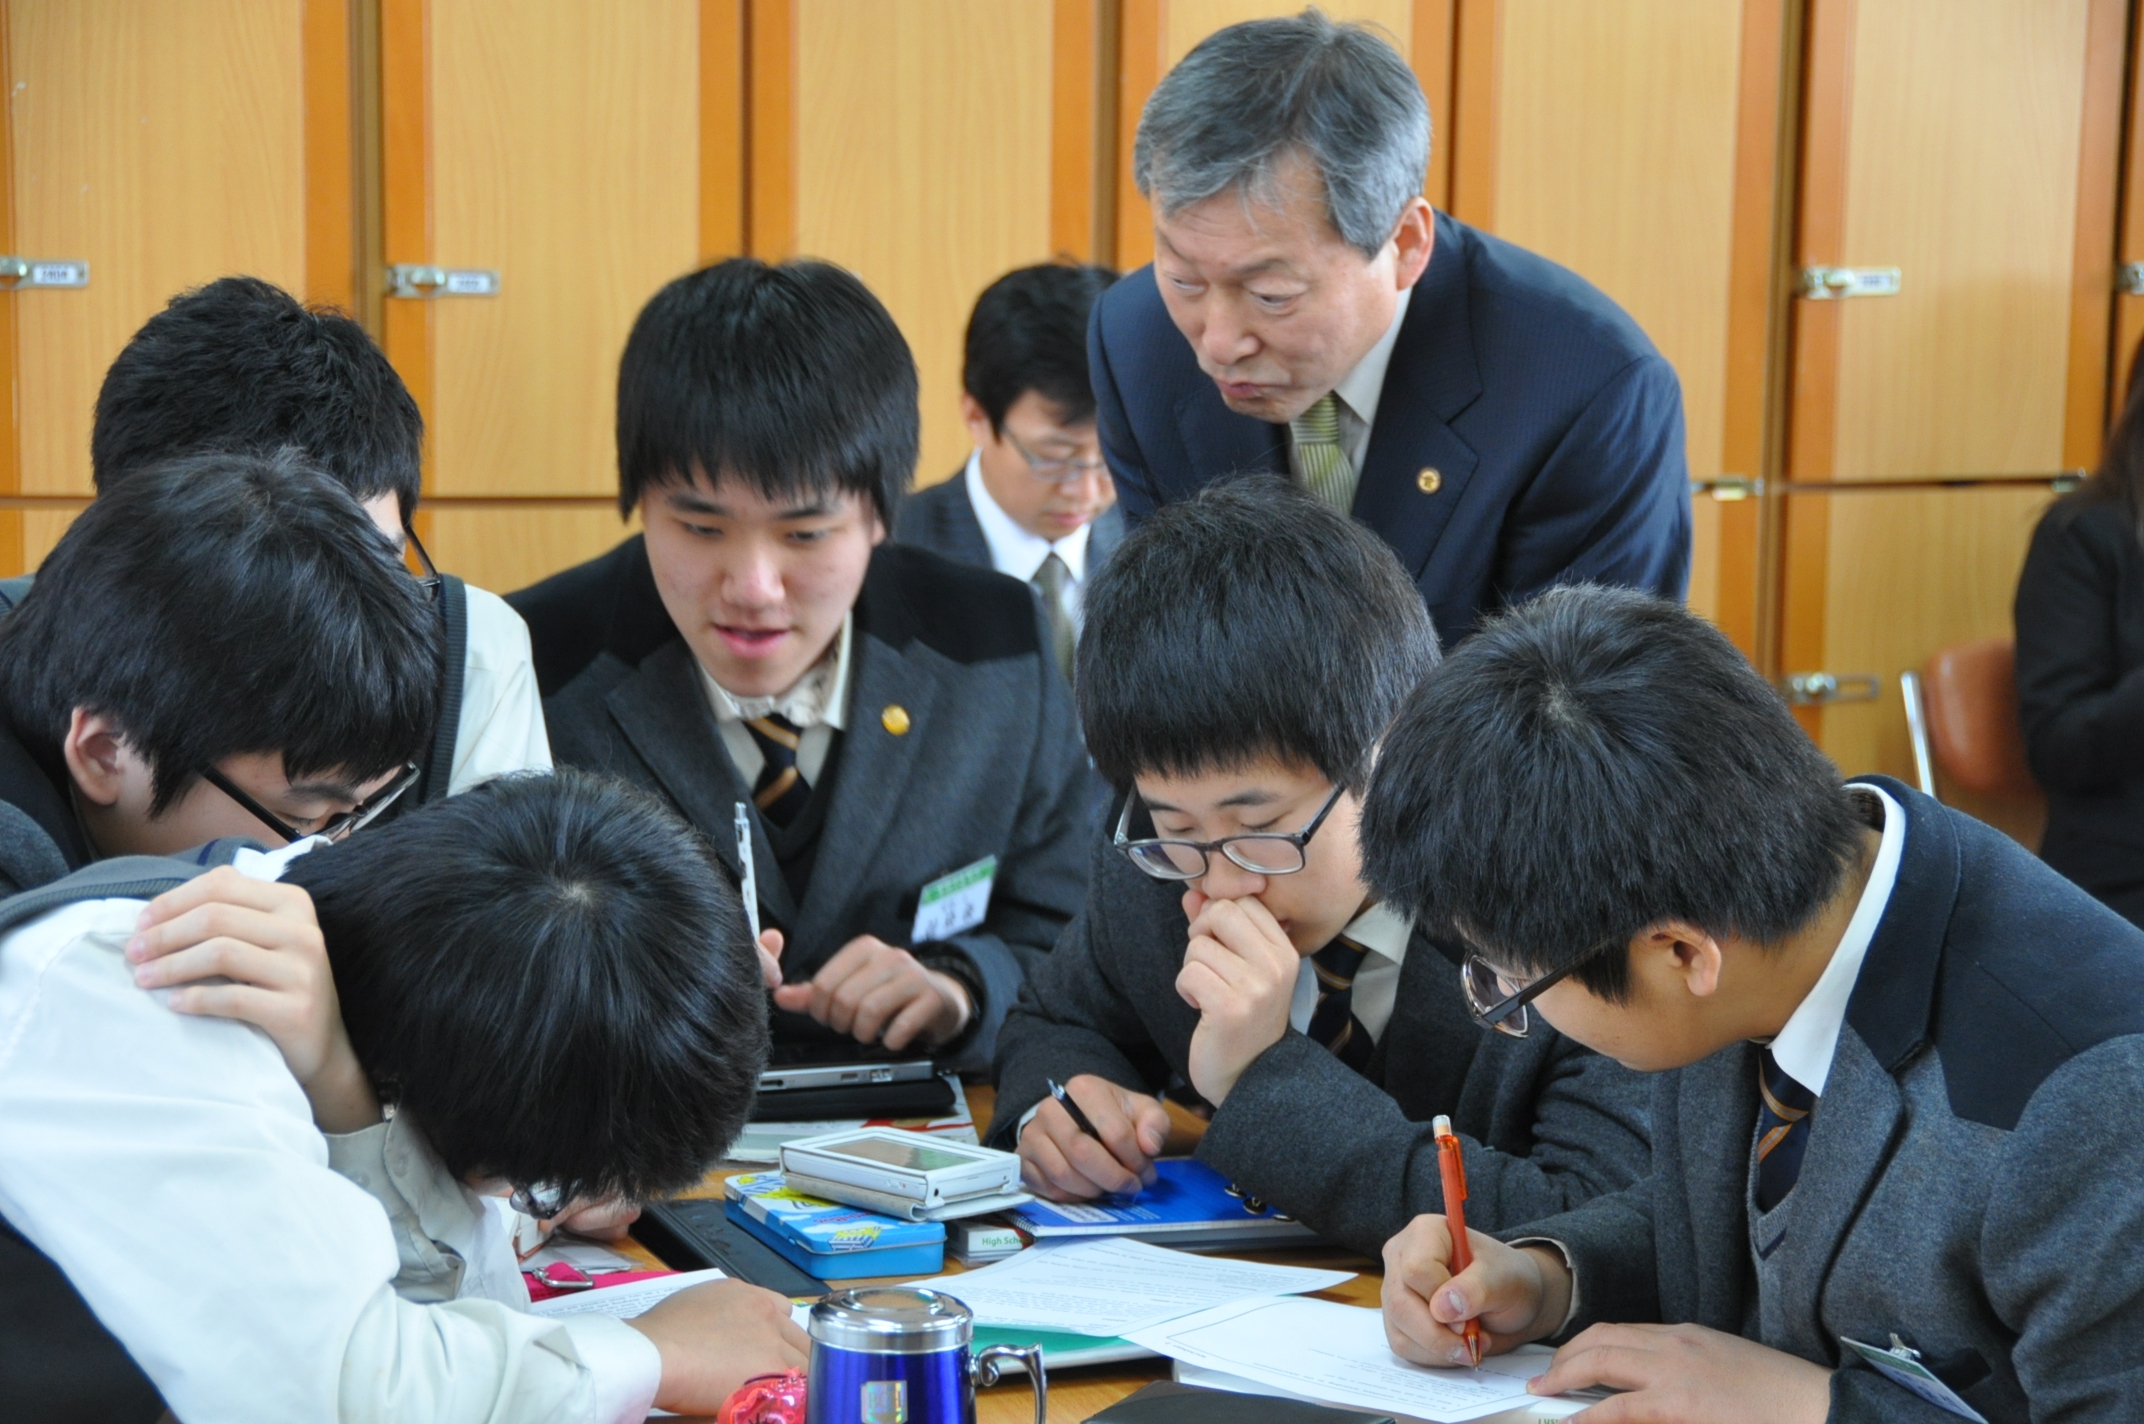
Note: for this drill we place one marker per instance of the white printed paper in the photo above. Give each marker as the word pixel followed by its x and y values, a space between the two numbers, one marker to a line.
pixel 1337 1354
pixel 1111 1286
pixel 955 902
pixel 626 1301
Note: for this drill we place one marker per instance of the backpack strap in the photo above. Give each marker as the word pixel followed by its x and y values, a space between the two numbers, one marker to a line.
pixel 13 591
pixel 123 877
pixel 453 605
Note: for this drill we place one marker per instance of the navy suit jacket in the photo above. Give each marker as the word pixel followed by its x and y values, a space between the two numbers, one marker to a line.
pixel 942 519
pixel 1554 426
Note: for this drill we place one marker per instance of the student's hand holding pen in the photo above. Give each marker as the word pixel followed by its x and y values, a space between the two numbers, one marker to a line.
pixel 1516 1294
pixel 1060 1161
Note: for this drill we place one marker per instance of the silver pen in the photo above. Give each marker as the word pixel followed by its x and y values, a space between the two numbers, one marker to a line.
pixel 748 883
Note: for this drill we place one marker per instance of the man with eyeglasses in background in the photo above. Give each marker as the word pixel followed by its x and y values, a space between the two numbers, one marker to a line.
pixel 1243 654
pixel 1035 499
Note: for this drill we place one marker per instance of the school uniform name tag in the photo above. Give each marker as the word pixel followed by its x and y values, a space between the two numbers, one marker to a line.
pixel 1903 1367
pixel 955 902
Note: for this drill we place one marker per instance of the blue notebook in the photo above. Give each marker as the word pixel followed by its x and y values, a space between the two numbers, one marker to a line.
pixel 1189 1205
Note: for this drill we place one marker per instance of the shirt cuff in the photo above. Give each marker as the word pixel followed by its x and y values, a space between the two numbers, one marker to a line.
pixel 624 1367
pixel 1025 1118
pixel 1571 1311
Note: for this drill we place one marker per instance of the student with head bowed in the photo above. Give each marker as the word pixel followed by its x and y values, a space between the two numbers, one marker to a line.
pixel 1896 1133
pixel 1502 424
pixel 894 719
pixel 1244 651
pixel 1035 499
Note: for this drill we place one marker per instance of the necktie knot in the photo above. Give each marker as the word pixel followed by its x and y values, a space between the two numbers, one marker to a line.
pixel 1783 1113
pixel 1332 1021
pixel 780 790
pixel 1327 472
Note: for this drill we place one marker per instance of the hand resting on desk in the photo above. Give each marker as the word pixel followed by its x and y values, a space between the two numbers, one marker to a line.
pixel 715 1337
pixel 878 993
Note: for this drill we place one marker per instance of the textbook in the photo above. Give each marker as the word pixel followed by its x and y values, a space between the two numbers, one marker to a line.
pixel 1189 1206
pixel 828 1240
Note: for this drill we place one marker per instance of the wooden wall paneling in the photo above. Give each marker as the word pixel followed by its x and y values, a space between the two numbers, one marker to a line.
pixel 405 102
pixel 2092 297
pixel 1616 154
pixel 724 130
pixel 950 98
pixel 331 236
pixel 1960 166
pixel 1433 53
pixel 2129 306
pixel 11 553
pixel 163 142
pixel 770 104
pixel 1083 130
pixel 509 543
pixel 1476 75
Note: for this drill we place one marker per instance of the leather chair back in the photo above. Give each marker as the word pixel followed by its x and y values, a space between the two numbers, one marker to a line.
pixel 1972 719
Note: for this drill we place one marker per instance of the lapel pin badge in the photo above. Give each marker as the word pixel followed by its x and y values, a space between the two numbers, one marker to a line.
pixel 1429 481
pixel 895 719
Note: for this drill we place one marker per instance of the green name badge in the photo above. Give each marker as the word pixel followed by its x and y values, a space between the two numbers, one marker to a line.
pixel 955 902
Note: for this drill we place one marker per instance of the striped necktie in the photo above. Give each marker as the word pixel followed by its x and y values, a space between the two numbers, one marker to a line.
pixel 1050 581
pixel 1782 1131
pixel 1333 1022
pixel 781 791
pixel 1327 473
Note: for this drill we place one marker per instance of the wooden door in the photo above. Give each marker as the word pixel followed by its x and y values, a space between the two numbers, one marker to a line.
pixel 165 143
pixel 557 143
pixel 1973 148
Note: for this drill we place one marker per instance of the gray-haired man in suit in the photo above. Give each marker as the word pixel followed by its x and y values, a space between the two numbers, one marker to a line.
pixel 1035 500
pixel 892 718
pixel 1897 1134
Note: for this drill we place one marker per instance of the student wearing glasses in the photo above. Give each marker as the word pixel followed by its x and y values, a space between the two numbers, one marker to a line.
pixel 1035 500
pixel 1244 651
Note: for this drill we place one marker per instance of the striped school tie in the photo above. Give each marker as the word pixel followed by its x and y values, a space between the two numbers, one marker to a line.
pixel 1333 1022
pixel 781 791
pixel 1327 474
pixel 1782 1131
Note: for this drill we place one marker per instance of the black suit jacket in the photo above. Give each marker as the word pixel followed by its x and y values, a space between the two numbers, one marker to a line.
pixel 1545 1124
pixel 942 519
pixel 2080 692
pixel 1554 426
pixel 989 763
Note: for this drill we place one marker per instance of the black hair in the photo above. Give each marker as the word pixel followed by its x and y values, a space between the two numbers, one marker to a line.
pixel 1590 764
pixel 792 378
pixel 1028 332
pixel 2119 479
pixel 553 976
pixel 1249 621
pixel 241 367
pixel 223 604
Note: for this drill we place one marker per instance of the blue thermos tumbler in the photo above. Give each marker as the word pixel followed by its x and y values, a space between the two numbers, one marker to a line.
pixel 899 1355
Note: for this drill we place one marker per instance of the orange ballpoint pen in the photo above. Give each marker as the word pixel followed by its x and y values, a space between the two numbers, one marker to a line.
pixel 1453 1169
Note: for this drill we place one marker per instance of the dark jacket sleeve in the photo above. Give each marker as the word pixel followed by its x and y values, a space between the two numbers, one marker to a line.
pixel 1137 495
pixel 1041 877
pixel 1075 1015
pixel 2083 716
pixel 1308 1130
pixel 1612 502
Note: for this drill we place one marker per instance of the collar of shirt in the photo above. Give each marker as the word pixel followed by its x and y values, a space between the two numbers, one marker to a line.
pixel 1384 932
pixel 1805 1045
pixel 820 698
pixel 1360 388
pixel 1014 550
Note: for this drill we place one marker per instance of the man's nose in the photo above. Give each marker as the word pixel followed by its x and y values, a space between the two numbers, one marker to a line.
pixel 1226 338
pixel 1226 880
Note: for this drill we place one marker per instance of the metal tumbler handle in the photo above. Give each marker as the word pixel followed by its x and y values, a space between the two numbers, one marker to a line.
pixel 986 1372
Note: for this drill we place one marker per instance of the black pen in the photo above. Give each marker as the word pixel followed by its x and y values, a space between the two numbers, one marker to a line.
pixel 1064 1100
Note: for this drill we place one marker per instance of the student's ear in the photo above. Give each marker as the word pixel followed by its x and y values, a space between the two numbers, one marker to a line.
pixel 1681 952
pixel 977 420
pixel 98 757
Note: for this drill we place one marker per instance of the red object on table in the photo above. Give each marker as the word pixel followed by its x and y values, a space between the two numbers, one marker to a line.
pixel 768 1399
pixel 541 1289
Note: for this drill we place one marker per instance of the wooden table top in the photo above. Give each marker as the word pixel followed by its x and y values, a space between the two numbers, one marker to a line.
pixel 1077 1393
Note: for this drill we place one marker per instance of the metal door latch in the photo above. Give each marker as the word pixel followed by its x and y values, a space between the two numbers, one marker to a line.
pixel 1830 284
pixel 18 273
pixel 412 279
pixel 2129 279
pixel 1815 689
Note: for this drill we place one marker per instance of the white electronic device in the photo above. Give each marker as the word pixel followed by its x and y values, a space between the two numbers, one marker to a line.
pixel 914 1166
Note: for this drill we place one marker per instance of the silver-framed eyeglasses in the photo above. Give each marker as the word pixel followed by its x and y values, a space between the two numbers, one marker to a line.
pixel 1260 852
pixel 543 1201
pixel 1495 1004
pixel 1057 472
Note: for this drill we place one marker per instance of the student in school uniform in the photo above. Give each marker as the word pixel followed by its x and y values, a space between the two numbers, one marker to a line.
pixel 500 956
pixel 890 717
pixel 1896 1134
pixel 1035 500
pixel 1244 651
pixel 241 366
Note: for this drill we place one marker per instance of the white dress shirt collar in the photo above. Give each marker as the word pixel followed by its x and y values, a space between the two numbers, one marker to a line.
pixel 1361 387
pixel 1384 932
pixel 1014 550
pixel 819 698
pixel 1805 1045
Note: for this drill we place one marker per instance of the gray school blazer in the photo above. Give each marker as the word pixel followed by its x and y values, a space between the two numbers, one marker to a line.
pixel 1974 1177
pixel 989 763
pixel 1544 1123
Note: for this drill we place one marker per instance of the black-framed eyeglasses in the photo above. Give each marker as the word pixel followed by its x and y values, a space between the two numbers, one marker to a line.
pixel 542 1201
pixel 1261 852
pixel 335 828
pixel 429 579
pixel 1057 472
pixel 1494 1005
